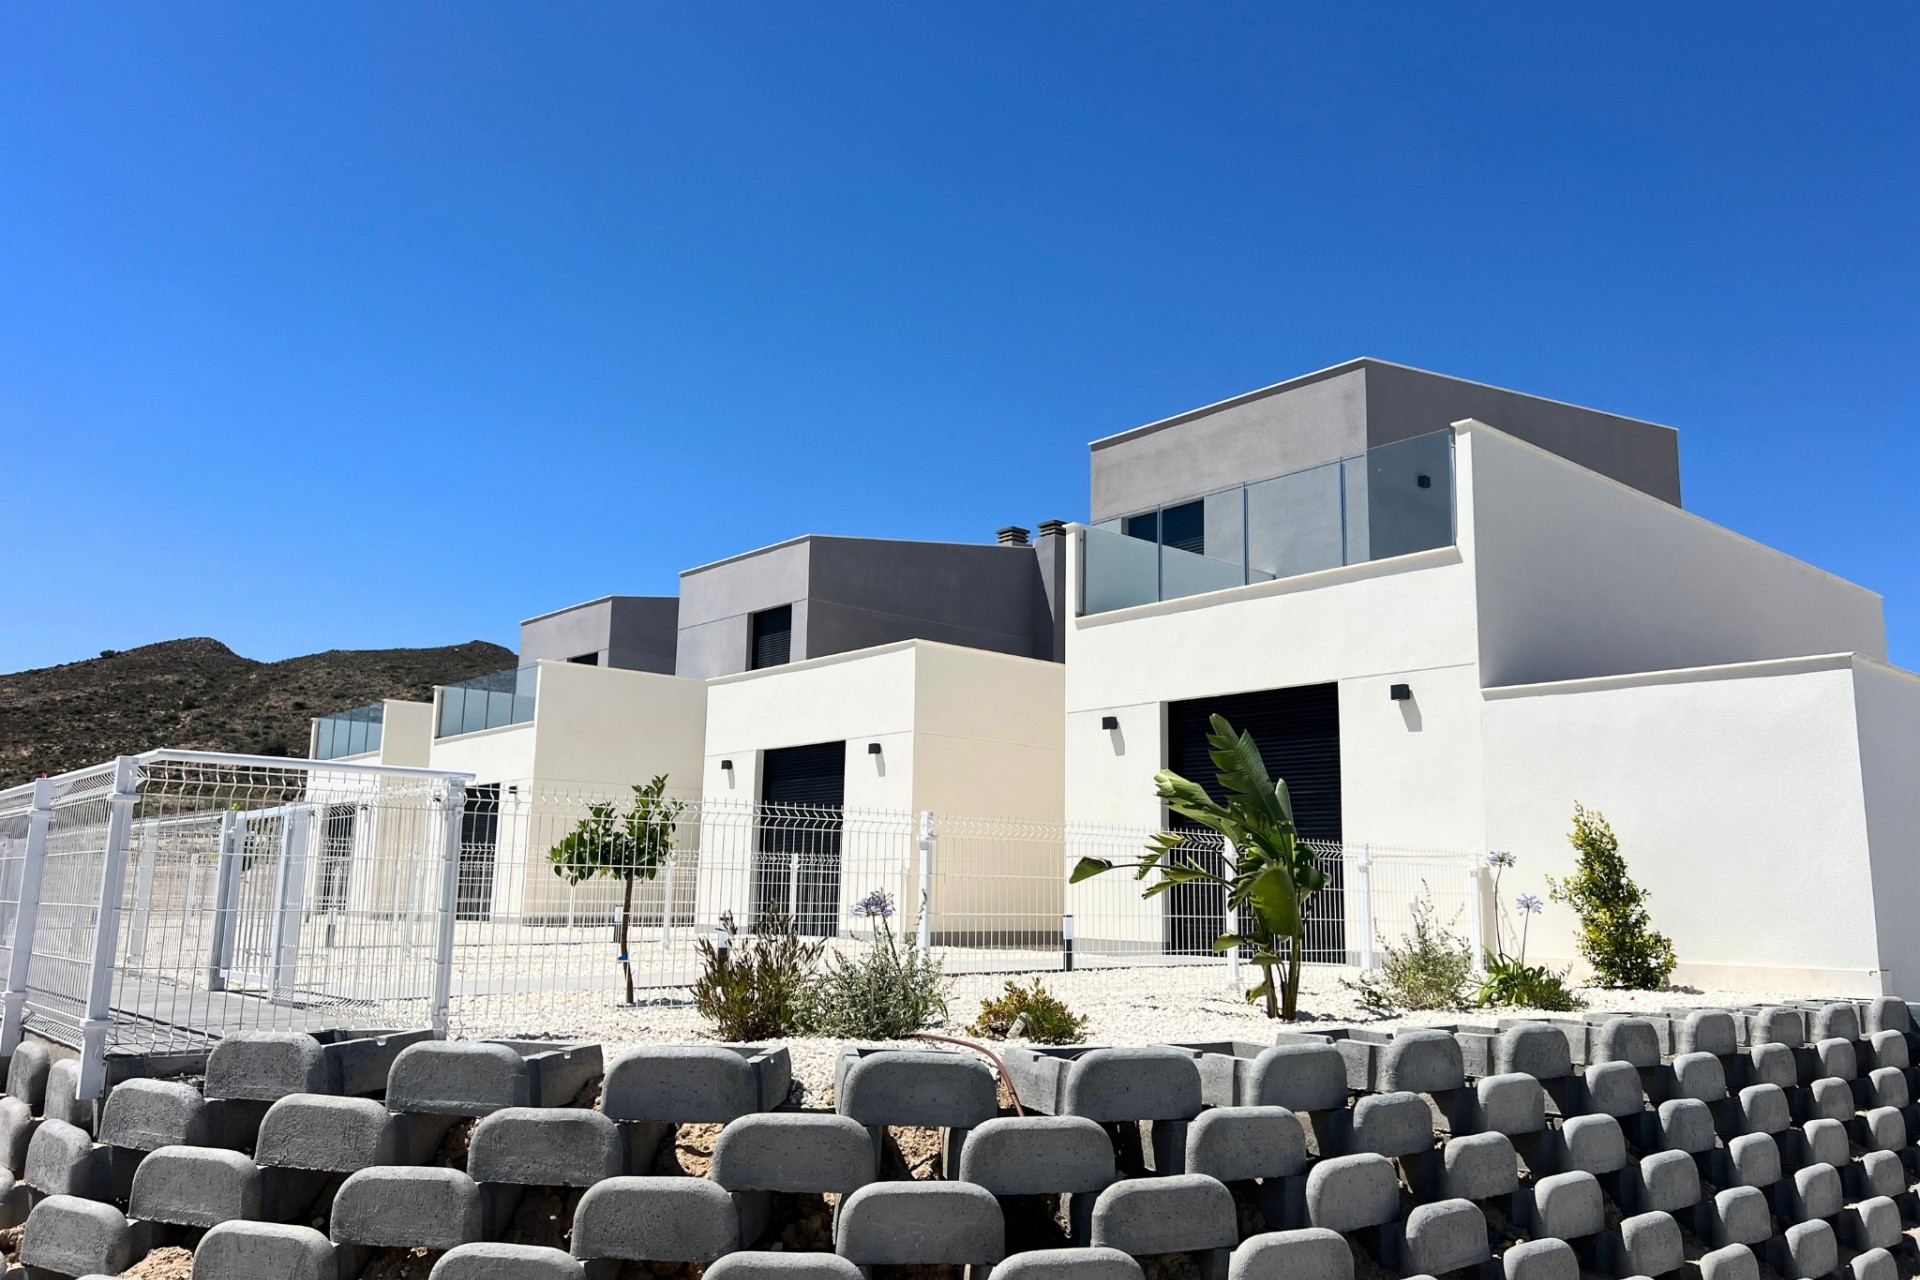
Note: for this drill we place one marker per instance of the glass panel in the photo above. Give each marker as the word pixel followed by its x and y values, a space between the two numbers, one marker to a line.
pixel 1184 574
pixel 1410 495
pixel 323 747
pixel 376 731
pixel 523 686
pixel 475 717
pixel 452 700
pixel 1293 522
pixel 1119 571
pixel 1226 526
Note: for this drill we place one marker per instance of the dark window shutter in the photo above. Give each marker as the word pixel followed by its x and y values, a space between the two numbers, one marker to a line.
pixel 1298 733
pixel 801 791
pixel 772 637
pixel 1184 528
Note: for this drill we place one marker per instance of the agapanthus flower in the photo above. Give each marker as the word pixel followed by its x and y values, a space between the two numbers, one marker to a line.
pixel 1529 904
pixel 1501 858
pixel 875 905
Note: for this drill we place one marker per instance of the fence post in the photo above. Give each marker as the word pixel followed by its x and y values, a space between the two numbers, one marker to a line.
pixel 925 940
pixel 26 915
pixel 1476 911
pixel 106 931
pixel 226 892
pixel 1363 866
pixel 1066 941
pixel 1231 923
pixel 453 810
pixel 289 900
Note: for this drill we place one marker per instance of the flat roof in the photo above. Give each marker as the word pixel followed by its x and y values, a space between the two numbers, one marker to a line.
pixel 585 604
pixel 1345 366
pixel 842 537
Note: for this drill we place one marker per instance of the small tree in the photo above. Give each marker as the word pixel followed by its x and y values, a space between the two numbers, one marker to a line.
pixel 1272 872
pixel 625 847
pixel 1616 933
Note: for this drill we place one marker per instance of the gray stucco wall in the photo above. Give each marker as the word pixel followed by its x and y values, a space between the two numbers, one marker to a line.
pixel 634 632
pixel 853 593
pixel 1342 411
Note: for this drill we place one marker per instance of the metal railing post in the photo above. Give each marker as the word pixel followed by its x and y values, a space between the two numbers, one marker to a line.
pixel 106 931
pixel 290 883
pixel 226 892
pixel 1066 942
pixel 1476 914
pixel 26 915
pixel 1230 923
pixel 925 937
pixel 453 804
pixel 1363 865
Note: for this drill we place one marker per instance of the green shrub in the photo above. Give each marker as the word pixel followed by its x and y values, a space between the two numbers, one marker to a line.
pixel 1429 969
pixel 758 989
pixel 884 992
pixel 1616 933
pixel 1032 1013
pixel 1531 986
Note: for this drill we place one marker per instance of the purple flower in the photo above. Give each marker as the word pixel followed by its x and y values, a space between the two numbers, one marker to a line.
pixel 1529 904
pixel 875 905
pixel 1501 858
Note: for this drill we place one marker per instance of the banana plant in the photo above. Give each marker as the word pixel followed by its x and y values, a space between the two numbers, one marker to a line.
pixel 1271 871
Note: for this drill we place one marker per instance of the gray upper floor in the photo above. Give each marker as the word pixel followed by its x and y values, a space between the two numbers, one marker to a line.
pixel 819 595
pixel 638 633
pixel 1344 411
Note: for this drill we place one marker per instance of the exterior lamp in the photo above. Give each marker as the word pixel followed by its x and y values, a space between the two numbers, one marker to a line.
pixel 726 766
pixel 873 748
pixel 1401 693
pixel 1109 722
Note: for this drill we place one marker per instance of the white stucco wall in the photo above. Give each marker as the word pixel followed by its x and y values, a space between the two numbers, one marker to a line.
pixel 1887 707
pixel 1736 795
pixel 1579 576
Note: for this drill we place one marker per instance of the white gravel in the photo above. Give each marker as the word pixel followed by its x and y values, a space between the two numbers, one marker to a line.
pixel 1148 1005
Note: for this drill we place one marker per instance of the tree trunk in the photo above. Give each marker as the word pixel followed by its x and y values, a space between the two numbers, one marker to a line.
pixel 1291 1008
pixel 1273 1009
pixel 620 936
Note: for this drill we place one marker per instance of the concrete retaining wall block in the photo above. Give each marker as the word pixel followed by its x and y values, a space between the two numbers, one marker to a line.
pixel 1631 1040
pixel 1535 1049
pixel 1392 1124
pixel 146 1115
pixel 1812 1192
pixel 71 1236
pixel 1887 1049
pixel 1874 1264
pixel 1119 1085
pixel 1824 1141
pixel 27 1075
pixel 265 1066
pixel 17 1124
pixel 750 1265
pixel 506 1262
pixel 62 1102
pixel 1751 1160
pixel 1350 1193
pixel 1874 1223
pixel 1299 1077
pixel 1614 1089
pixel 1886 1087
pixel 1884 1129
pixel 1700 1076
pixel 775 1151
pixel 1773 1063
pixel 546 1147
pixel 1730 1262
pixel 459 1078
pixel 1839 1020
pixel 1568 1206
pixel 1424 1060
pixel 409 1208
pixel 1512 1104
pixel 1878 1173
pixel 1835 1059
pixel 1763 1109
pixel 1479 1166
pixel 1236 1143
pixel 62 1160
pixel 1183 1213
pixel 1647 1244
pixel 646 1219
pixel 1047 1155
pixel 1312 1253
pixel 1707 1031
pixel 922 1223
pixel 1777 1024
pixel 257 1250
pixel 1591 1144
pixel 925 1088
pixel 1686 1124
pixel 1444 1236
pixel 1805 1251
pixel 1541 1260
pixel 1885 1013
pixel 332 1135
pixel 1040 1264
pixel 680 1084
pixel 197 1187
pixel 1740 1215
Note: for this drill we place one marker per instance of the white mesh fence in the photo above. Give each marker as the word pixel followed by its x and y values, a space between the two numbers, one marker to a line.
pixel 171 899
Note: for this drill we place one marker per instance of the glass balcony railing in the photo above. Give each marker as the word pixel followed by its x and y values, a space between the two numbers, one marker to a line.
pixel 350 733
pixel 487 702
pixel 1389 501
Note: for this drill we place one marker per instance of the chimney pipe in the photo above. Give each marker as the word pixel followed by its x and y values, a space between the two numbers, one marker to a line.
pixel 1012 536
pixel 1053 528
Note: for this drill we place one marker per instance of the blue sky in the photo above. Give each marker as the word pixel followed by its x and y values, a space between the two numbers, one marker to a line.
pixel 363 325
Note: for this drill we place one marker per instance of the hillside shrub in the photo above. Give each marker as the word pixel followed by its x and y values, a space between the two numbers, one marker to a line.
pixel 1616 935
pixel 758 988
pixel 1428 969
pixel 1031 1013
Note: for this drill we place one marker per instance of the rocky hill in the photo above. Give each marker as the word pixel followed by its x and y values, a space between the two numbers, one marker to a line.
pixel 199 693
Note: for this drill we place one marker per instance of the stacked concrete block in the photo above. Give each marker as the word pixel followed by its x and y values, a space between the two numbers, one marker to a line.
pixel 73 1236
pixel 477 1078
pixel 265 1066
pixel 1178 1213
pixel 1264 1148
pixel 649 1219
pixel 749 1265
pixel 1072 1156
pixel 1423 1060
pixel 1358 1196
pixel 905 1088
pixel 1542 1260
pixel 1155 1088
pixel 925 1224
pixel 1444 1236
pixel 695 1084
pixel 64 1160
pixel 501 1261
pixel 1310 1253
pixel 254 1250
pixel 197 1187
pixel 1646 1244
pixel 390 1208
pixel 795 1152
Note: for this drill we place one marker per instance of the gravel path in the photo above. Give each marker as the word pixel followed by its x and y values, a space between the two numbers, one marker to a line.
pixel 1146 1005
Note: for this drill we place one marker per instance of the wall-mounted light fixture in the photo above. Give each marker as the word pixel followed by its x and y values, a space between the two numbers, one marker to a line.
pixel 1425 482
pixel 1401 693
pixel 1109 722
pixel 873 748
pixel 726 766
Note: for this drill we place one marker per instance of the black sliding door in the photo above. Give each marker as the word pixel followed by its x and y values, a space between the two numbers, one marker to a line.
pixel 797 861
pixel 1298 733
